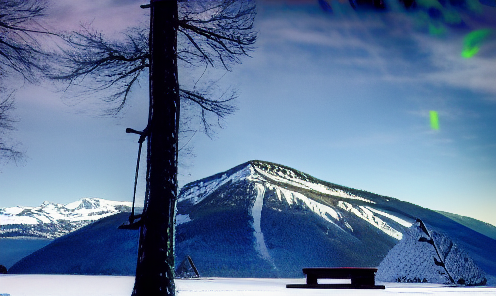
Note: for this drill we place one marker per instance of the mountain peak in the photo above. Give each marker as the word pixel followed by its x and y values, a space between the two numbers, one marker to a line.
pixel 291 177
pixel 281 170
pixel 264 171
pixel 255 181
pixel 196 191
pixel 84 203
pixel 51 220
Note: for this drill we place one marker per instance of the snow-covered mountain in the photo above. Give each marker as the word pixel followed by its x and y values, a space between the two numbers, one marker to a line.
pixel 331 202
pixel 261 219
pixel 51 220
pixel 274 220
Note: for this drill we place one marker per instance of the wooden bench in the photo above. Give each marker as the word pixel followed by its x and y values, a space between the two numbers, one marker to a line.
pixel 361 278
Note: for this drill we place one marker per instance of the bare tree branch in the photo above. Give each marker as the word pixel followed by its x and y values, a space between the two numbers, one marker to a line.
pixel 99 64
pixel 21 53
pixel 219 108
pixel 213 33
pixel 19 25
pixel 7 152
pixel 6 122
pixel 224 28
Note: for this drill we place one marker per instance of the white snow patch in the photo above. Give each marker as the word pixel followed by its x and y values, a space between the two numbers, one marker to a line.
pixel 10 220
pixel 291 197
pixel 181 219
pixel 256 212
pixel 14 210
pixel 394 218
pixel 295 181
pixel 65 285
pixel 366 214
pixel 199 192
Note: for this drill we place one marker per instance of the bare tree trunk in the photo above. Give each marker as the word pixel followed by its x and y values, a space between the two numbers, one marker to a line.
pixel 155 267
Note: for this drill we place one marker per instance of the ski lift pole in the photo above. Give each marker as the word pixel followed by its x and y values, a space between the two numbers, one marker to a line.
pixel 142 138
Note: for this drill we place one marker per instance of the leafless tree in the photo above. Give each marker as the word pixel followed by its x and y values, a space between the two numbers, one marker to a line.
pixel 20 53
pixel 7 151
pixel 94 64
pixel 19 25
pixel 212 34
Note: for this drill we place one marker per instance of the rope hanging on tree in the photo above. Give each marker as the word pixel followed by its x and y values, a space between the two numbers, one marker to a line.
pixel 133 224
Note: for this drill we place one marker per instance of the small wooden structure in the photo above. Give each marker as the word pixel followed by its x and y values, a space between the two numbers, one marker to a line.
pixel 187 269
pixel 361 278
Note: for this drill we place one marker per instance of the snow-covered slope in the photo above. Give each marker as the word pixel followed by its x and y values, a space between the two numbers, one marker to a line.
pixel 97 248
pixel 261 219
pixel 293 187
pixel 424 256
pixel 479 226
pixel 51 220
pixel 279 220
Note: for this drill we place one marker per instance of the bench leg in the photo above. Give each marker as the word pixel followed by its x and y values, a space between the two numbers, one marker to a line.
pixel 311 280
pixel 363 281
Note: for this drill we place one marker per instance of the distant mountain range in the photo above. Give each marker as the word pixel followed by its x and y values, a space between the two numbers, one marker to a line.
pixel 51 220
pixel 261 219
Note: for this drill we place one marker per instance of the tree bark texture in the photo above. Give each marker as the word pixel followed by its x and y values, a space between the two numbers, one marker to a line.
pixel 155 267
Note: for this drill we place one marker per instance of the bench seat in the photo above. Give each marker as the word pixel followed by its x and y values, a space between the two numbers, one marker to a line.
pixel 361 278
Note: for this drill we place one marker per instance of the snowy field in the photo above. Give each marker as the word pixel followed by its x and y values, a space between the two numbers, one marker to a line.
pixel 75 285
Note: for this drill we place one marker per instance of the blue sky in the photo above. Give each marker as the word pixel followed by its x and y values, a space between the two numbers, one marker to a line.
pixel 343 96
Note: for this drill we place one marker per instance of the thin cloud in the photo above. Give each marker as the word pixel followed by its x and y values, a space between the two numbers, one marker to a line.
pixel 109 16
pixel 386 45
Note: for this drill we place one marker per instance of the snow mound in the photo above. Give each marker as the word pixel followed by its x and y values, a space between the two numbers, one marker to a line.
pixel 424 256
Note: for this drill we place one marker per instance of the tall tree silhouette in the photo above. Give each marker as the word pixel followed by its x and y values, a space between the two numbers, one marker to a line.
pixel 197 33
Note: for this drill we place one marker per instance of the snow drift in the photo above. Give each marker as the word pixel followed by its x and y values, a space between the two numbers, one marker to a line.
pixel 429 257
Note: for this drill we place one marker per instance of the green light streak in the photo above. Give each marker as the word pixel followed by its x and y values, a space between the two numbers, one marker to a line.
pixel 472 42
pixel 470 52
pixel 434 120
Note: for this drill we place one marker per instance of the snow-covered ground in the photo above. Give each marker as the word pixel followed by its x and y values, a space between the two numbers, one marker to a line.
pixel 76 285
